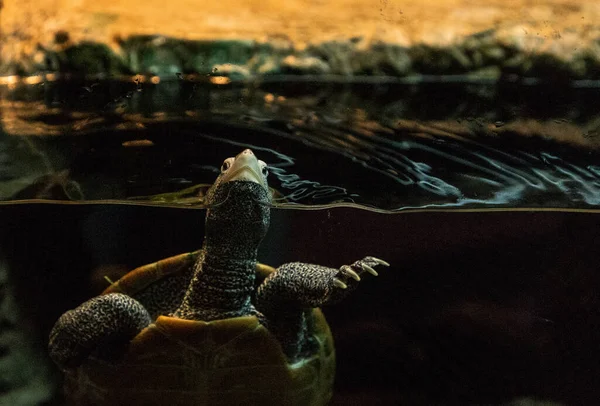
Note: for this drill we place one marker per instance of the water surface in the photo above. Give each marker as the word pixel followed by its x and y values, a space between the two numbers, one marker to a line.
pixel 386 146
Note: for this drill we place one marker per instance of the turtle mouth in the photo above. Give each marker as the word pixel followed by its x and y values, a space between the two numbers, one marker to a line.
pixel 247 173
pixel 245 168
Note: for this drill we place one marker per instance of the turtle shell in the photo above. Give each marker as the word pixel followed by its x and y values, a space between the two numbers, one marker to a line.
pixel 234 361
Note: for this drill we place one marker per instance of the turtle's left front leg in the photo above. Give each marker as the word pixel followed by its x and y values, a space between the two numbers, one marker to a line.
pixel 288 294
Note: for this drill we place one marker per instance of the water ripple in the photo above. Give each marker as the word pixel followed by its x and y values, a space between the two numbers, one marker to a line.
pixel 459 171
pixel 376 157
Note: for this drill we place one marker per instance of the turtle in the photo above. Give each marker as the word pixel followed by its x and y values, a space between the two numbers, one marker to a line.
pixel 213 326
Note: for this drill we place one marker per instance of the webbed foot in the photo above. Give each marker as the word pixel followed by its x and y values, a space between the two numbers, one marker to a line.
pixel 352 273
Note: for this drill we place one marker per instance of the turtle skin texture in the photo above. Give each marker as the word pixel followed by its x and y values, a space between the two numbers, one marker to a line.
pixel 173 361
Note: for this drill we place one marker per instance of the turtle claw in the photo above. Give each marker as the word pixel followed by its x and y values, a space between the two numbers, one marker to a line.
pixel 367 263
pixel 347 270
pixel 370 270
pixel 352 273
pixel 379 261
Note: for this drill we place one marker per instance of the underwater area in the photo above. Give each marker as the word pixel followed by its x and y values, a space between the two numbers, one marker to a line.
pixel 483 200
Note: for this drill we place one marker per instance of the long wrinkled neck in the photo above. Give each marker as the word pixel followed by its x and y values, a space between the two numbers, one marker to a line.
pixel 221 286
pixel 224 273
pixel 232 239
pixel 224 277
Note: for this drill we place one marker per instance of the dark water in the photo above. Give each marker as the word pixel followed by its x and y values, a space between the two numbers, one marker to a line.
pixel 479 307
pixel 389 147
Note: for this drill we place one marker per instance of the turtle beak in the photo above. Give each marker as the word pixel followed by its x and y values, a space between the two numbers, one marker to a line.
pixel 245 167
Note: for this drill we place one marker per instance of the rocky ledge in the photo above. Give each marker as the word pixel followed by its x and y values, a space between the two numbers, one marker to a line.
pixel 555 40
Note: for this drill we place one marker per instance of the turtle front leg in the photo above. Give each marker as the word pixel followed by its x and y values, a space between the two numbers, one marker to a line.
pixel 103 324
pixel 287 296
pixel 298 285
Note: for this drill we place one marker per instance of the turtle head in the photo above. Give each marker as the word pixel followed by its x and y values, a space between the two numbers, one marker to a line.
pixel 239 204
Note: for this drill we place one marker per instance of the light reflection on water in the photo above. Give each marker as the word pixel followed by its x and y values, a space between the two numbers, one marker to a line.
pixel 320 149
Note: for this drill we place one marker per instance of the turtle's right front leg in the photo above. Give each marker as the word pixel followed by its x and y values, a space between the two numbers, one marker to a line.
pixel 104 323
pixel 287 296
pixel 300 286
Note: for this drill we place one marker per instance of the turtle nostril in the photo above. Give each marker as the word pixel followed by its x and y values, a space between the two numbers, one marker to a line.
pixel 247 152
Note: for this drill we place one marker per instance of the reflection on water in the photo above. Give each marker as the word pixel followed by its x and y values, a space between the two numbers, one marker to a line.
pixel 389 150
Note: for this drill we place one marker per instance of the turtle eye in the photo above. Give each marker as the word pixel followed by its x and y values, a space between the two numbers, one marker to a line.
pixel 263 168
pixel 226 165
